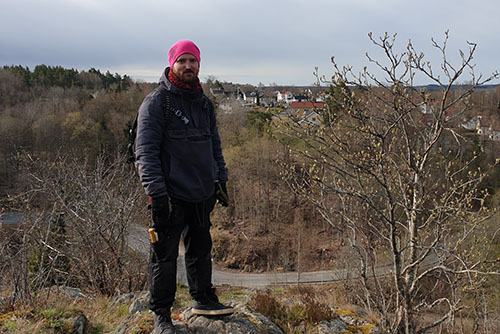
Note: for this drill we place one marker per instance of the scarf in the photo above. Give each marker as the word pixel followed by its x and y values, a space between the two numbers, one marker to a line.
pixel 194 87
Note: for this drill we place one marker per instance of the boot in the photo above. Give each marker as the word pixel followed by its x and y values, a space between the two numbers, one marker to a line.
pixel 209 305
pixel 163 324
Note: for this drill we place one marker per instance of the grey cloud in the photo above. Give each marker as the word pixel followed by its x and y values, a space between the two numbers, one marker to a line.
pixel 286 38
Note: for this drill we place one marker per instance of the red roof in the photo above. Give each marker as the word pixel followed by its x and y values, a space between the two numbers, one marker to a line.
pixel 306 104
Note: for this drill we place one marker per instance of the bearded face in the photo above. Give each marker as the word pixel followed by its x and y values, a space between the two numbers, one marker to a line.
pixel 186 68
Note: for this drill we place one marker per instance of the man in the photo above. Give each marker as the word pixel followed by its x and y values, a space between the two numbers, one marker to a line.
pixel 180 163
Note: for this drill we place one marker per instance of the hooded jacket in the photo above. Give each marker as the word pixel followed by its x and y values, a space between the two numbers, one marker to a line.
pixel 174 158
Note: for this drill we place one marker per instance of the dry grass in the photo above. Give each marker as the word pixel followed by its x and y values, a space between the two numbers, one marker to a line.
pixel 293 308
pixel 55 314
pixel 305 306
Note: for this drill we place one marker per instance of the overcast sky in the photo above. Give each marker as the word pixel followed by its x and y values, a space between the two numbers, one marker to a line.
pixel 247 41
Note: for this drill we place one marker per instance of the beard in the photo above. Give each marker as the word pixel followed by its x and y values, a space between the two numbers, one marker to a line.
pixel 188 77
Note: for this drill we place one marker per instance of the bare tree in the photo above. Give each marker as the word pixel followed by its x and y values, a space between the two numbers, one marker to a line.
pixel 390 169
pixel 75 228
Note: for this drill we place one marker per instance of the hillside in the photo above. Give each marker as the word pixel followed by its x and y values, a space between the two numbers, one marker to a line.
pixel 386 176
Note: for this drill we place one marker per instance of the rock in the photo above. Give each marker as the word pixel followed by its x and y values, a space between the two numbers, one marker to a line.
pixel 79 324
pixel 141 303
pixel 122 299
pixel 125 326
pixel 332 326
pixel 74 293
pixel 300 329
pixel 237 323
pixel 180 328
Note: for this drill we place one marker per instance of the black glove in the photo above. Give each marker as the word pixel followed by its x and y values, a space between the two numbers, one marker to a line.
pixel 221 193
pixel 160 206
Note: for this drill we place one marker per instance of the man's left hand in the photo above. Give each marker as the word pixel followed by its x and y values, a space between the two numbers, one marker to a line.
pixel 221 193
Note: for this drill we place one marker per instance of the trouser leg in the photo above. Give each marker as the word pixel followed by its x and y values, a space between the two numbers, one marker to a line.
pixel 163 264
pixel 198 247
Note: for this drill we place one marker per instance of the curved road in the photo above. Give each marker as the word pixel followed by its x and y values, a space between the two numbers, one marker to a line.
pixel 139 241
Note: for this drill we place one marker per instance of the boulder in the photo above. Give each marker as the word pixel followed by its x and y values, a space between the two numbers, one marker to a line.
pixel 243 322
pixel 79 324
pixel 125 326
pixel 71 292
pixel 332 326
pixel 141 303
pixel 122 299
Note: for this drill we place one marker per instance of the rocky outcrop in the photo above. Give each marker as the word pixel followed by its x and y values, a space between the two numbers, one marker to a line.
pixel 243 321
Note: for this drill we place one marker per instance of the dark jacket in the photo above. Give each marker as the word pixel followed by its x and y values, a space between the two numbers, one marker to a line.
pixel 183 160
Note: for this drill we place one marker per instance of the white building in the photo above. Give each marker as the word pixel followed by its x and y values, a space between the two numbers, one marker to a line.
pixel 284 96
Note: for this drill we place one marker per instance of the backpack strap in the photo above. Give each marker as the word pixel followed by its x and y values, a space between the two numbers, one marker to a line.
pixel 132 133
pixel 167 106
pixel 167 112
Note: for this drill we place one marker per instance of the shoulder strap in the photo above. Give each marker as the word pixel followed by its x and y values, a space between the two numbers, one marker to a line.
pixel 206 103
pixel 165 93
pixel 166 104
pixel 132 133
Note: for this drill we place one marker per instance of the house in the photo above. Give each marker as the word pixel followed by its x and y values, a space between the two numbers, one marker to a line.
pixel 284 96
pixel 241 95
pixel 483 127
pixel 486 128
pixel 306 105
pixel 427 108
pixel 301 98
pixel 307 111
pixel 267 101
pixel 312 117
pixel 217 91
pixel 472 124
pixel 254 97
pixel 249 98
pixel 494 135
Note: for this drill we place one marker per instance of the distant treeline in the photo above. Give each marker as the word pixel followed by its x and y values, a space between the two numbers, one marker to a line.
pixel 51 111
pixel 57 76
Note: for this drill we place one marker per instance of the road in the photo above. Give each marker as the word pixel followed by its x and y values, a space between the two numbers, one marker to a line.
pixel 10 218
pixel 139 241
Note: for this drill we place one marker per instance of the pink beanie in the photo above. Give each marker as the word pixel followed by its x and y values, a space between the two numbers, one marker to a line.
pixel 180 48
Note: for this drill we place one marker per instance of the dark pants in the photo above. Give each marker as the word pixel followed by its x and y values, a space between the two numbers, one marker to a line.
pixel 192 221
